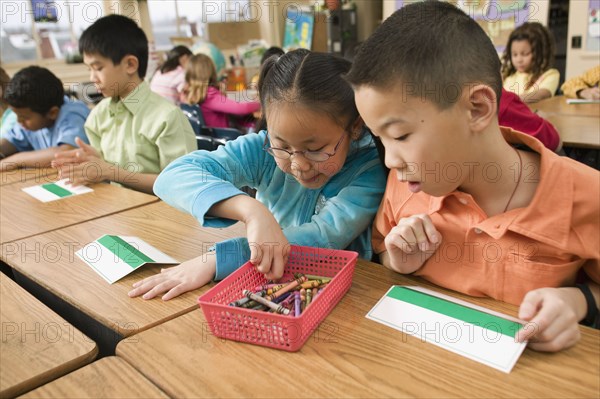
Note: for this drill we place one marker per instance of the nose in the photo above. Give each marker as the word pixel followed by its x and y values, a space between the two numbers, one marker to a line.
pixel 300 163
pixel 93 78
pixel 393 160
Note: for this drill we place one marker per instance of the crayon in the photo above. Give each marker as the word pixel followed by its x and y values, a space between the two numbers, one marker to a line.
pixel 297 306
pixel 287 288
pixel 266 302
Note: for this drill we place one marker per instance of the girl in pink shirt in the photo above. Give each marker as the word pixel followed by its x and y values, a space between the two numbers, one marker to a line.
pixel 203 89
pixel 169 80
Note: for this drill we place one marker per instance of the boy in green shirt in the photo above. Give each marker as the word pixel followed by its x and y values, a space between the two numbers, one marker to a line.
pixel 134 133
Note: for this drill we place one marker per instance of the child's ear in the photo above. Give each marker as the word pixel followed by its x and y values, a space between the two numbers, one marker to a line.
pixel 53 113
pixel 357 128
pixel 132 64
pixel 482 107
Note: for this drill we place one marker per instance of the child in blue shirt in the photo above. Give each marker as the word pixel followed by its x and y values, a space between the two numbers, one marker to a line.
pixel 48 121
pixel 315 169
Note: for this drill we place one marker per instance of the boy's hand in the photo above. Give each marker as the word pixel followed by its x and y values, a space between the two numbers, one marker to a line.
pixel 552 317
pixel 411 242
pixel 83 165
pixel 269 249
pixel 185 277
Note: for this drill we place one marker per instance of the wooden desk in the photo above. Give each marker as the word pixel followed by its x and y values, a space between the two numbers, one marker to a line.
pixel 23 216
pixel 558 105
pixel 37 345
pixel 351 356
pixel 33 176
pixel 49 260
pixel 577 131
pixel 109 377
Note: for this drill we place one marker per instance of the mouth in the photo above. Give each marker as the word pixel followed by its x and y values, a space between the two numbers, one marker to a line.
pixel 413 186
pixel 307 181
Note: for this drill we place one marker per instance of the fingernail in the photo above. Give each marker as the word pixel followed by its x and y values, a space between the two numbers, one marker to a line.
pixel 423 246
pixel 435 238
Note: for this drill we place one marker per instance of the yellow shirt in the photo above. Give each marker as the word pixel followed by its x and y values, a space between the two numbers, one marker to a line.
pixel 142 133
pixel 518 81
pixel 589 79
pixel 505 256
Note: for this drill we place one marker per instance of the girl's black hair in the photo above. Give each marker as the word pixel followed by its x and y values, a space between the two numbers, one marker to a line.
pixel 314 80
pixel 173 58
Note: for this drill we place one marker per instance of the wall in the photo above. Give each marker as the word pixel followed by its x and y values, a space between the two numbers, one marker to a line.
pixel 579 60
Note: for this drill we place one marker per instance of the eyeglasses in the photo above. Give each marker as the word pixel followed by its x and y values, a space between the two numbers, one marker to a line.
pixel 316 156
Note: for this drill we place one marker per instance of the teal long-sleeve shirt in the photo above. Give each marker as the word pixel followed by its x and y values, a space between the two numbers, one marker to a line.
pixel 338 215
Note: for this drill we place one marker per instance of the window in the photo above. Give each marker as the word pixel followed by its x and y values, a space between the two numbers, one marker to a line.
pixel 59 25
pixel 186 18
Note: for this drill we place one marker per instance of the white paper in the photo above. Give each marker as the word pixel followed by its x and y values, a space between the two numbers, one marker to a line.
pixel 40 193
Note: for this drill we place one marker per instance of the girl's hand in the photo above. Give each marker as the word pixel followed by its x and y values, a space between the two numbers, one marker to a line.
pixel 83 165
pixel 185 277
pixel 410 243
pixel 269 249
pixel 593 93
pixel 552 314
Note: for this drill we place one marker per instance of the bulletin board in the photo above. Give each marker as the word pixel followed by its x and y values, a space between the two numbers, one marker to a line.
pixel 498 18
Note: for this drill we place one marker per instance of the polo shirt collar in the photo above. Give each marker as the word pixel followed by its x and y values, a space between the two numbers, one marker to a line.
pixel 133 102
pixel 548 217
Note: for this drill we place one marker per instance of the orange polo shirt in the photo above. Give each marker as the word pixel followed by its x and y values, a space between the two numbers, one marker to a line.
pixel 507 255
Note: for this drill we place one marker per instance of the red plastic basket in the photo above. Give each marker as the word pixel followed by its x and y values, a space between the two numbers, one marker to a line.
pixel 276 330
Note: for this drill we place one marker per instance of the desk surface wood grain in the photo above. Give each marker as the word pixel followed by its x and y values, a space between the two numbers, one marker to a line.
pixel 33 176
pixel 37 345
pixel 351 356
pixel 558 105
pixel 577 131
pixel 50 261
pixel 109 377
pixel 23 216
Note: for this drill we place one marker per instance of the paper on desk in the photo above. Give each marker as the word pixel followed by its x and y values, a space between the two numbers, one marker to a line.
pixel 472 331
pixel 55 191
pixel 581 101
pixel 114 257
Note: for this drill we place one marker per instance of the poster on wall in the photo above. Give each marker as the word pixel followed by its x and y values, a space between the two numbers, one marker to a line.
pixel 44 11
pixel 299 26
pixel 593 31
pixel 497 17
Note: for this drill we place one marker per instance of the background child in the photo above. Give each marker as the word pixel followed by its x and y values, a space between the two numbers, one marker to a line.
pixel 583 86
pixel 527 63
pixel 48 121
pixel 467 204
pixel 203 89
pixel 316 173
pixel 169 80
pixel 9 119
pixel 134 133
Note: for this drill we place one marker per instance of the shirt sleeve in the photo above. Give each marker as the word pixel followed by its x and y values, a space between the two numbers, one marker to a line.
pixel 176 139
pixel 91 129
pixel 17 137
pixel 385 219
pixel 69 128
pixel 549 81
pixel 221 103
pixel 589 79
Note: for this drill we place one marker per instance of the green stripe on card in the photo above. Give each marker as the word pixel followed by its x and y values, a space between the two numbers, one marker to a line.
pixel 57 190
pixel 124 251
pixel 451 309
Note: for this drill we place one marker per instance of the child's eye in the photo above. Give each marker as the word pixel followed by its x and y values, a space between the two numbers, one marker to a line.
pixel 403 137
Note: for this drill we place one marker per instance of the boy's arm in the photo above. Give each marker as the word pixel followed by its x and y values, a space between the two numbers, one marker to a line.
pixel 6 148
pixel 33 159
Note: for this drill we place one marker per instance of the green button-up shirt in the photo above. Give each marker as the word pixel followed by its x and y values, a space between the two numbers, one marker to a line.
pixel 142 133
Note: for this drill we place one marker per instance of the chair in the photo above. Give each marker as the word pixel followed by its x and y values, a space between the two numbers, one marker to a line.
pixel 205 143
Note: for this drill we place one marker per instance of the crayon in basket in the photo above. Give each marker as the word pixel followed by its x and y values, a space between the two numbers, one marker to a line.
pixel 263 301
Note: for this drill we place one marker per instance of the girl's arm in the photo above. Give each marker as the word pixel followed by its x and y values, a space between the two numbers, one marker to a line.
pixel 221 103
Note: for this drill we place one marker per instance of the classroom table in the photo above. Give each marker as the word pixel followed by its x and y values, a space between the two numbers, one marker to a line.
pixel 577 131
pixel 37 345
pixel 558 105
pixel 33 176
pixel 109 377
pixel 23 216
pixel 352 356
pixel 49 261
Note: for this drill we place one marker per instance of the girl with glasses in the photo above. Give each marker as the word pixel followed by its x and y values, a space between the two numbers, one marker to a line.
pixel 315 169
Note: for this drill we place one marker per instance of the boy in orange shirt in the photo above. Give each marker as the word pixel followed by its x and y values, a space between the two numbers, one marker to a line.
pixel 470 206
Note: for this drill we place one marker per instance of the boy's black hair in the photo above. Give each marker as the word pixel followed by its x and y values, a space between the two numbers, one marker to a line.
pixel 433 49
pixel 114 37
pixel 35 88
pixel 314 80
